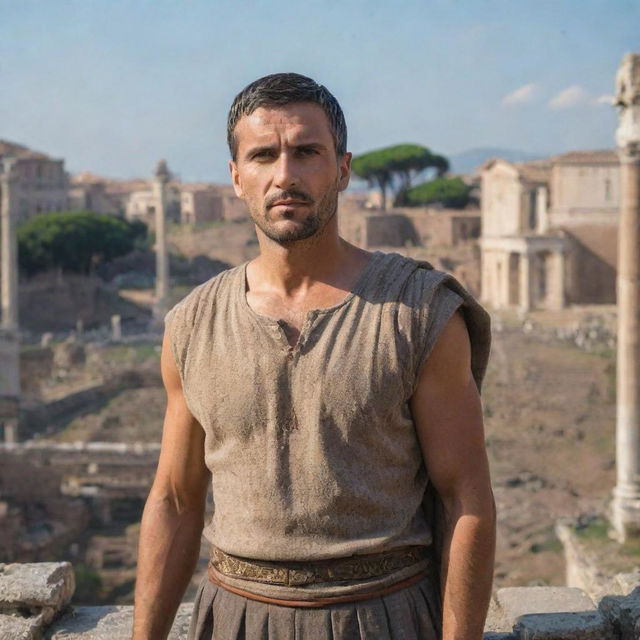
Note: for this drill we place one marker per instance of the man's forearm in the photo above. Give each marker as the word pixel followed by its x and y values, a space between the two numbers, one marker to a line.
pixel 467 572
pixel 168 553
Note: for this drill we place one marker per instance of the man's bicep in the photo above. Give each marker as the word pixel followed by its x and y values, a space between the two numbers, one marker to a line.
pixel 448 415
pixel 182 472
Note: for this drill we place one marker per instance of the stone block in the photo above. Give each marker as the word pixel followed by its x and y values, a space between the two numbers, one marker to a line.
pixel 588 625
pixel 44 587
pixel 110 623
pixel 495 622
pixel 19 628
pixel 623 613
pixel 518 601
pixel 627 582
pixel 499 636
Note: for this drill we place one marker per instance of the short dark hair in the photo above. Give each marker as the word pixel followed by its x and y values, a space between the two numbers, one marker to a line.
pixel 286 88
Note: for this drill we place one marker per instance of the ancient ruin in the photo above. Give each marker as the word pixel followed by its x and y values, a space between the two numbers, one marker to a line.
pixel 8 207
pixel 9 336
pixel 74 478
pixel 42 180
pixel 544 224
pixel 626 504
pixel 161 302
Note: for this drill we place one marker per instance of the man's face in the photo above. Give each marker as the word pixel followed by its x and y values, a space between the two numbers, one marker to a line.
pixel 287 171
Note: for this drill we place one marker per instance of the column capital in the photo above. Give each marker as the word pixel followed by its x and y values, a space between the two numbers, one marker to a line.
pixel 162 172
pixel 628 102
pixel 9 173
pixel 630 152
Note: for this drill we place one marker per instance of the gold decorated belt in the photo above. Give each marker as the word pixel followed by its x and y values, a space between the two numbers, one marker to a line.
pixel 290 574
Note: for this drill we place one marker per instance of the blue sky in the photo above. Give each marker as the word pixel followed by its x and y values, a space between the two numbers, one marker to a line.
pixel 114 85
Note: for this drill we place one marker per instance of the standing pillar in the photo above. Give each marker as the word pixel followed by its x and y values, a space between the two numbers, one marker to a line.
pixel 161 304
pixel 9 337
pixel 556 296
pixel 9 267
pixel 525 282
pixel 626 495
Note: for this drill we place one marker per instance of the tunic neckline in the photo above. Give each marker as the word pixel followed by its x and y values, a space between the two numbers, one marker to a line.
pixel 277 323
pixel 355 289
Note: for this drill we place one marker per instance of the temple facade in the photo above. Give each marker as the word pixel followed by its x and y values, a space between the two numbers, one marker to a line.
pixel 546 224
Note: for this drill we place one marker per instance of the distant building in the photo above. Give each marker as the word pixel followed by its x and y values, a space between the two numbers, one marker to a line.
pixel 430 227
pixel 141 204
pixel 188 203
pixel 42 180
pixel 586 189
pixel 200 203
pixel 548 231
pixel 440 227
pixel 88 192
pixel 119 191
pixel 232 207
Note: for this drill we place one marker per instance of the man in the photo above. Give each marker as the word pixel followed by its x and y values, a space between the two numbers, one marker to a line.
pixel 320 388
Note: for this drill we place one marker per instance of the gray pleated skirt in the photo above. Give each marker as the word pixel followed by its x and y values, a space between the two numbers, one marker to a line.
pixel 409 614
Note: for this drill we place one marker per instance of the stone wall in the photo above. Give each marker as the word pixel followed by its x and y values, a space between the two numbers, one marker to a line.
pixel 585 189
pixel 62 301
pixel 437 227
pixel 35 604
pixel 369 229
pixel 42 418
pixel 409 226
pixel 591 264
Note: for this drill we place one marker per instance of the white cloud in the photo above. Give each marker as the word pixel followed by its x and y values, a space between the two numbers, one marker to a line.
pixel 520 96
pixel 569 97
pixel 604 99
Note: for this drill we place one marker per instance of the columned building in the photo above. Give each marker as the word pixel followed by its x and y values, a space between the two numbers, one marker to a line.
pixel 42 180
pixel 549 231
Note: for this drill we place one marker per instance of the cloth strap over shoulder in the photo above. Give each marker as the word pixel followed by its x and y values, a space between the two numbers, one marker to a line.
pixel 477 319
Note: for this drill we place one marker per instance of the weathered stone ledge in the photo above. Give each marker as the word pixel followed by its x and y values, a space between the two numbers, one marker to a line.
pixel 595 562
pixel 34 605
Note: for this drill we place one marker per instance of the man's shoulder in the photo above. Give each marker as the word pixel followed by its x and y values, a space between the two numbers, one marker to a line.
pixel 415 281
pixel 205 294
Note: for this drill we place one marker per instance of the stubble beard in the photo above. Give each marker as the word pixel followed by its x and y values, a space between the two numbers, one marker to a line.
pixel 311 226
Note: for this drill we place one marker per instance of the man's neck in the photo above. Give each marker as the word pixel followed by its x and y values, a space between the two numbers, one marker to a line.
pixel 293 268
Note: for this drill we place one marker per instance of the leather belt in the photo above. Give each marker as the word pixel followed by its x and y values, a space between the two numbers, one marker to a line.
pixel 316 603
pixel 290 574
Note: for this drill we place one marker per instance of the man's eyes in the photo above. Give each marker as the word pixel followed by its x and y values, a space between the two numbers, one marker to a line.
pixel 268 154
pixel 259 155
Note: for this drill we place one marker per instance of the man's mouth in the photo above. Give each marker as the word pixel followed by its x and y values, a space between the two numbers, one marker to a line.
pixel 288 203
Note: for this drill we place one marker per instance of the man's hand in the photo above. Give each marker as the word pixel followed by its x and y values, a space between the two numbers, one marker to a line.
pixel 173 515
pixel 448 415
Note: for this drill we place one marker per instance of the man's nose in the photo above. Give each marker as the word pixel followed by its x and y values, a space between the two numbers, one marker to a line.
pixel 285 172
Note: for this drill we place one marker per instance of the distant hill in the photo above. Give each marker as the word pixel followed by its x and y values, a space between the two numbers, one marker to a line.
pixel 468 161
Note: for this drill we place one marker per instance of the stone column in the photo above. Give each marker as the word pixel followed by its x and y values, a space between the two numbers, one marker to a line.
pixel 626 495
pixel 9 267
pixel 116 328
pixel 556 280
pixel 505 279
pixel 161 304
pixel 525 282
pixel 542 204
pixel 9 337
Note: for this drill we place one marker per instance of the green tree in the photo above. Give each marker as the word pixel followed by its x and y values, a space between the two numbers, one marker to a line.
pixel 396 167
pixel 74 241
pixel 449 192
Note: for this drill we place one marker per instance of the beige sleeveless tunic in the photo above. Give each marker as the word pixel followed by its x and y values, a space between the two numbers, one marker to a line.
pixel 312 450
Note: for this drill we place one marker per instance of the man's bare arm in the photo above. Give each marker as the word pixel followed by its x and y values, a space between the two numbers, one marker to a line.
pixel 173 515
pixel 448 415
